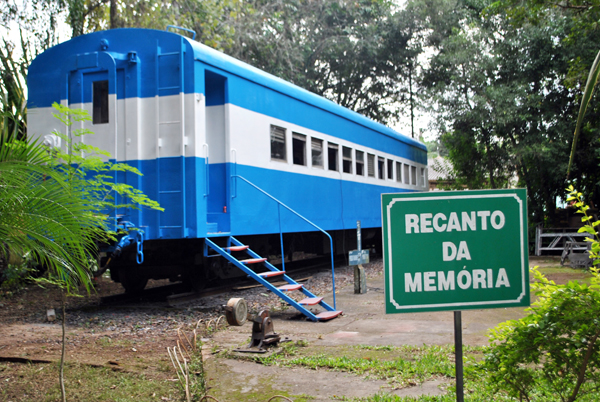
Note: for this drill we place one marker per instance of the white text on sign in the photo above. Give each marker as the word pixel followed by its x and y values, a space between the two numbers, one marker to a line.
pixel 433 281
pixel 427 222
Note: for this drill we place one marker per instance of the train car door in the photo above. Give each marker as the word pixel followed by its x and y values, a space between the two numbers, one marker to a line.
pixel 218 211
pixel 92 85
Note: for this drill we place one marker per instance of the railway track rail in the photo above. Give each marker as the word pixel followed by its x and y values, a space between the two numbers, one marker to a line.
pixel 178 295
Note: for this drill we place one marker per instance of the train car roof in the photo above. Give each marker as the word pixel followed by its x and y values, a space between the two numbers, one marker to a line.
pixel 220 60
pixel 239 68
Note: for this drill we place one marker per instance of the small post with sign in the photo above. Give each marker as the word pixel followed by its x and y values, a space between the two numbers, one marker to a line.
pixel 455 251
pixel 357 258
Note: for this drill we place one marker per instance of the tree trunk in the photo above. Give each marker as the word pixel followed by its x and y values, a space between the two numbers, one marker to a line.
pixel 114 17
pixel 62 353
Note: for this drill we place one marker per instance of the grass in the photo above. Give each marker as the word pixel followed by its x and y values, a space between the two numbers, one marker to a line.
pixel 39 382
pixel 401 367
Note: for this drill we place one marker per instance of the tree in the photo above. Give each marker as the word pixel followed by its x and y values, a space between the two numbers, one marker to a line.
pixel 359 54
pixel 556 346
pixel 43 217
pixel 504 106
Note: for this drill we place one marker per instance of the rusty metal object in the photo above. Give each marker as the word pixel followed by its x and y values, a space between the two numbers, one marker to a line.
pixel 263 334
pixel 236 311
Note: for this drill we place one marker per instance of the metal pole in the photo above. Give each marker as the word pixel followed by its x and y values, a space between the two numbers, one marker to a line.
pixel 458 357
pixel 281 238
pixel 358 238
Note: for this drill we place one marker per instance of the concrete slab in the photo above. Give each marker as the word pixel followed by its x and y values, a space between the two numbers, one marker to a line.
pixel 364 322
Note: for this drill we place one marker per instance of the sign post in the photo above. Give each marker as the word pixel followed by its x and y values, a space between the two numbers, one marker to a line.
pixel 357 258
pixel 455 251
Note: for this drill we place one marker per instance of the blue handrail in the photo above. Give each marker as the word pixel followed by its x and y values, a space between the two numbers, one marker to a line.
pixel 182 29
pixel 279 203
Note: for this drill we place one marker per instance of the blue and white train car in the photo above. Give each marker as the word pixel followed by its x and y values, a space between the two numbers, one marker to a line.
pixel 193 120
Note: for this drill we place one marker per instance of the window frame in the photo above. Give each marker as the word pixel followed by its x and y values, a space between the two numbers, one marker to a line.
pixel 297 137
pixel 333 147
pixel 318 141
pixel 381 168
pixel 370 165
pixel 275 130
pixel 347 159
pixel 359 162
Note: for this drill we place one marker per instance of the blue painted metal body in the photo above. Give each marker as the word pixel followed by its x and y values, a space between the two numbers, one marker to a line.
pixel 127 235
pixel 185 166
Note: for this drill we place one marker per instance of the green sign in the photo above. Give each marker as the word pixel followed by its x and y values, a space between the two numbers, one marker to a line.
pixel 455 250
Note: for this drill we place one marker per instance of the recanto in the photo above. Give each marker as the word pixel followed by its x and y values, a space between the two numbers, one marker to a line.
pixel 473 220
pixel 432 281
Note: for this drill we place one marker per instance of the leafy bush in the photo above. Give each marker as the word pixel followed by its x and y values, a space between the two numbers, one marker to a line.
pixel 554 352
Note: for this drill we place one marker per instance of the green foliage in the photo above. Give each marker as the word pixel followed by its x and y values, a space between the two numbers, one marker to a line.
pixel 42 217
pixel 590 226
pixel 552 351
pixel 88 171
pixel 362 55
pixel 555 350
pixel 13 105
pixel 505 102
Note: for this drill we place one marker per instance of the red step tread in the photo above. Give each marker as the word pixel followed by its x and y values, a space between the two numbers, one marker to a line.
pixel 328 315
pixel 237 248
pixel 253 260
pixel 269 274
pixel 290 287
pixel 311 301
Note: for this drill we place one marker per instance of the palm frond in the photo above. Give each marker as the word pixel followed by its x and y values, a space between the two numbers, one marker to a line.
pixel 590 85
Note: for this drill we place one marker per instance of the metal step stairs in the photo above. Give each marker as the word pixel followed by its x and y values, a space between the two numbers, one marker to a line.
pixel 233 246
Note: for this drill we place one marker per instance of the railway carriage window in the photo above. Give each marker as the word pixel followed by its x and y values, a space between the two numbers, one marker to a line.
pixel 316 147
pixel 399 171
pixel 278 143
pixel 332 156
pixel 299 149
pixel 371 165
pixel 347 159
pixel 406 174
pixel 390 169
pixel 100 102
pixel 423 177
pixel 413 175
pixel 380 167
pixel 360 163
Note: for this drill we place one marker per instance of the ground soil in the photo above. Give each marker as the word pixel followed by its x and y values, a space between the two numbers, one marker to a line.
pixel 135 338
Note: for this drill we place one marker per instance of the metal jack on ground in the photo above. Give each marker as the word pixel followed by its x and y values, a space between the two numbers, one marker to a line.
pixel 263 334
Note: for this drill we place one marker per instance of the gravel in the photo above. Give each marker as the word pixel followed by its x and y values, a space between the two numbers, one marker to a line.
pixel 145 318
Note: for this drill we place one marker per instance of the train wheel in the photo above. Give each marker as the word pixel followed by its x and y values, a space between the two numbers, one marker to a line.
pixel 196 278
pixel 132 281
pixel 236 311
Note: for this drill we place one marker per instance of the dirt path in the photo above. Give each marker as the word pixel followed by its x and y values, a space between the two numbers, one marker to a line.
pixel 136 341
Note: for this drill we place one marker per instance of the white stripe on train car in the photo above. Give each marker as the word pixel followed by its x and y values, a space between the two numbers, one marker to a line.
pixel 249 137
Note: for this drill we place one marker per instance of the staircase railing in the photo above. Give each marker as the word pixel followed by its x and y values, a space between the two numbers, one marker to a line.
pixel 279 205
